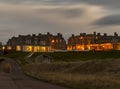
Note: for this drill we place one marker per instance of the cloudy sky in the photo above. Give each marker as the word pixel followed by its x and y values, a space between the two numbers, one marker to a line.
pixel 64 16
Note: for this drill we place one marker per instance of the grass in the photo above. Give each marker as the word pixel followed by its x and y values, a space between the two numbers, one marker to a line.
pixel 79 81
pixel 101 74
pixel 17 56
pixel 78 56
pixel 78 70
pixel 67 56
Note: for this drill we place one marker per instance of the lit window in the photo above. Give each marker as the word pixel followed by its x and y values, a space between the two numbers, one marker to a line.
pixel 29 48
pixel 81 38
pixel 96 37
pixel 43 49
pixel 53 41
pixel 18 48
pixel 3 48
pixel 9 48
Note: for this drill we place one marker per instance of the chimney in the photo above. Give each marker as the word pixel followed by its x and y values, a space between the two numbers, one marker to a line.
pixel 33 35
pixel 19 36
pixel 105 34
pixel 73 35
pixel 115 34
pixel 28 35
pixel 48 33
pixel 59 34
pixel 94 33
pixel 98 34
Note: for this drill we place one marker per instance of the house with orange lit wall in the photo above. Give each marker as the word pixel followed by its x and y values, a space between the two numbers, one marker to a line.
pixel 94 41
pixel 37 43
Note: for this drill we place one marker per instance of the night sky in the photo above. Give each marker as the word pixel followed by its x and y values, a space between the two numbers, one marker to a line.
pixel 63 16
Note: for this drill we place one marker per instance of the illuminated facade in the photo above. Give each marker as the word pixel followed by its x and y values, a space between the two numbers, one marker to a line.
pixel 29 48
pixel 93 41
pixel 48 42
pixel 37 43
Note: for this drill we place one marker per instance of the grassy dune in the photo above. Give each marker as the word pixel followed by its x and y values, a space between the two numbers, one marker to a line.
pixel 17 56
pixel 78 56
pixel 67 56
pixel 78 70
pixel 101 74
pixel 5 67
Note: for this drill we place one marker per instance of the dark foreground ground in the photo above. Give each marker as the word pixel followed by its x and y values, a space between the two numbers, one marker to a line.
pixel 22 82
pixel 16 79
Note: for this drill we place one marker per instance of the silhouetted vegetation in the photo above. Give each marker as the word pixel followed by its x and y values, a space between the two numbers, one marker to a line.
pixel 17 56
pixel 67 56
pixel 78 56
pixel 79 70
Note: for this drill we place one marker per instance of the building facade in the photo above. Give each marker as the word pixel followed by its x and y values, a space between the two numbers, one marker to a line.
pixel 49 43
pixel 94 41
pixel 37 43
pixel 1 47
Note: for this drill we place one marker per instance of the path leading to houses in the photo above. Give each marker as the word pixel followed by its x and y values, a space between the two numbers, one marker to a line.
pixel 16 79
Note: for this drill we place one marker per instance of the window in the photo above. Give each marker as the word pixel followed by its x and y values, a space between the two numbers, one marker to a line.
pixel 43 43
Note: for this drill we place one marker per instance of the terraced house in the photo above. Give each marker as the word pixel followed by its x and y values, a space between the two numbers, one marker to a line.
pixel 37 43
pixel 94 41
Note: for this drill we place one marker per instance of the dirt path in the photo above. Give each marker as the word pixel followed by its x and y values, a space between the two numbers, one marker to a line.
pixel 18 80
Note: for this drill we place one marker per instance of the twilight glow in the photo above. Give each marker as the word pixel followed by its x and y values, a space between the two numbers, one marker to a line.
pixel 64 16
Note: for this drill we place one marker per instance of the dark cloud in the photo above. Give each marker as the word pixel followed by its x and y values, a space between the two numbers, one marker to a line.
pixel 67 13
pixel 65 16
pixel 98 1
pixel 108 20
pixel 73 13
pixel 110 4
pixel 113 3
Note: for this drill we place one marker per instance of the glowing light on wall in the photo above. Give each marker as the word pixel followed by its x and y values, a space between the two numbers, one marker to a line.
pixel 28 48
pixel 43 49
pixel 118 46
pixel 18 48
pixel 96 37
pixel 9 47
pixel 80 47
pixel 81 38
pixel 69 48
pixel 98 47
pixel 37 48
pixel 3 48
pixel 53 41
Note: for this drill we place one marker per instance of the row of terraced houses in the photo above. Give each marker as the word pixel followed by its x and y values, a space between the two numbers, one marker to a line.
pixel 49 42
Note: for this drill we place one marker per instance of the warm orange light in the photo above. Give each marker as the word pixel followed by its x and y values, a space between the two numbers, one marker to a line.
pixel 9 48
pixel 3 48
pixel 36 48
pixel 83 48
pixel 78 47
pixel 69 48
pixel 53 41
pixel 96 37
pixel 29 48
pixel 43 49
pixel 81 38
pixel 18 48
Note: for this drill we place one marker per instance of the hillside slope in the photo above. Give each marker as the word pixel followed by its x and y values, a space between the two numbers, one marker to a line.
pixel 92 74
